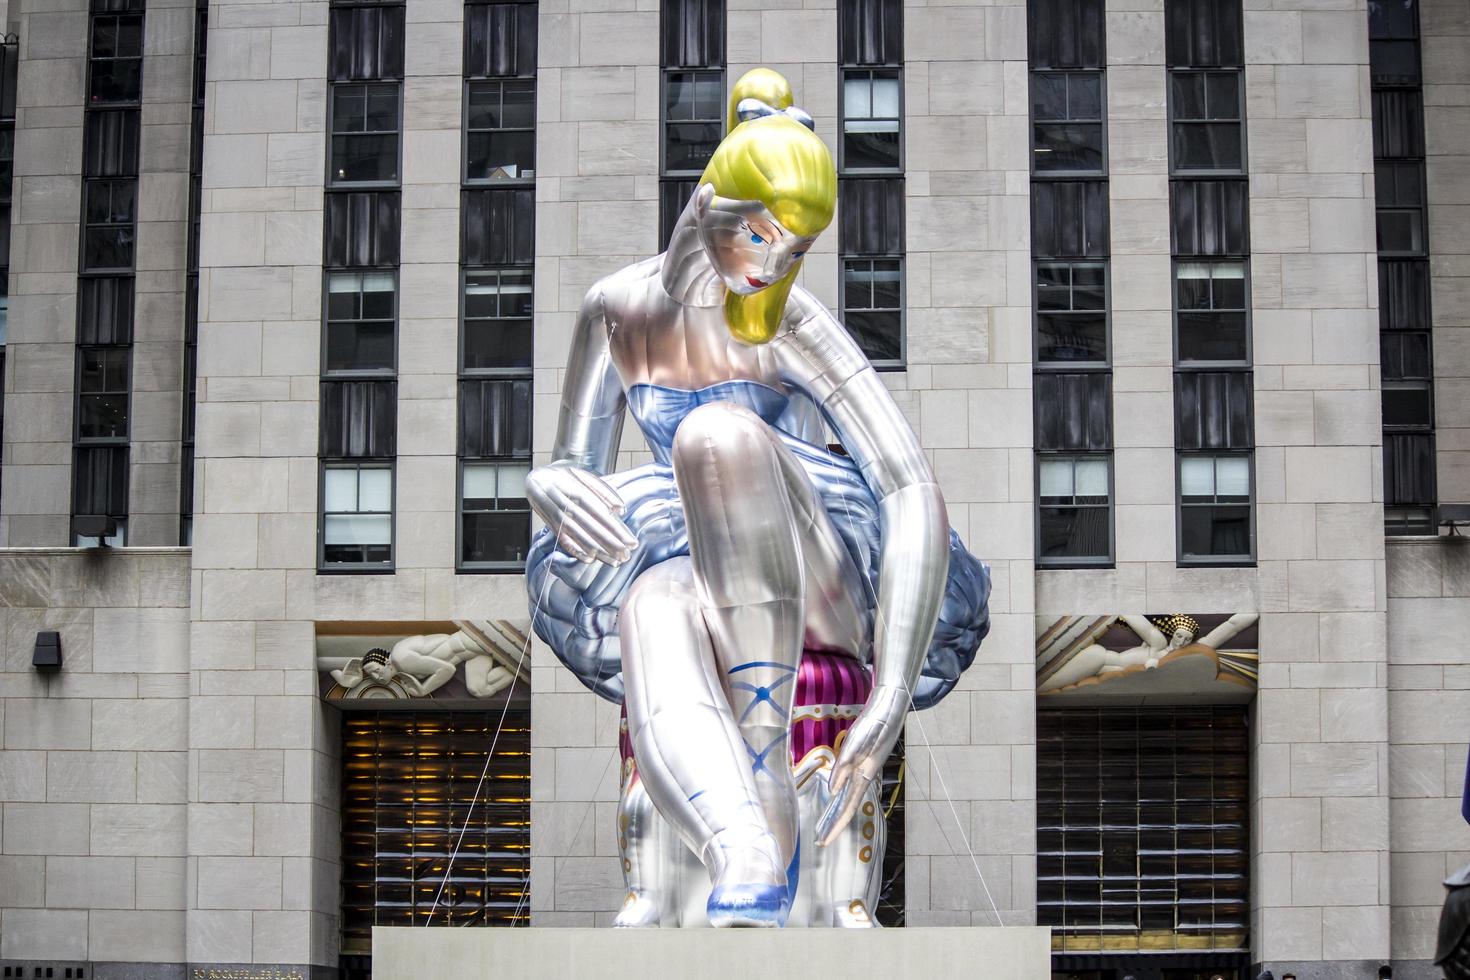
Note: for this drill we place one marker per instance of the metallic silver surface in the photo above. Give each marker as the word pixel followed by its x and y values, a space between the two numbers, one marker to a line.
pixel 692 586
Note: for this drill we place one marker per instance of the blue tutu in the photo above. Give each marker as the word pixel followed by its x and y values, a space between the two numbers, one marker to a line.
pixel 575 605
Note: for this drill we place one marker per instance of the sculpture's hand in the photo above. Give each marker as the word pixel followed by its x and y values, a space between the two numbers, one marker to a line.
pixel 865 749
pixel 583 511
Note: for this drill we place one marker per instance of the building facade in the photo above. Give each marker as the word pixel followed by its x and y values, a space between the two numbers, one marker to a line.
pixel 1173 294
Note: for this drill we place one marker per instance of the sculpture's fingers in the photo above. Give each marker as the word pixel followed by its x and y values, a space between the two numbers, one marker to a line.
pixel 603 531
pixel 571 540
pixel 840 811
pixel 604 492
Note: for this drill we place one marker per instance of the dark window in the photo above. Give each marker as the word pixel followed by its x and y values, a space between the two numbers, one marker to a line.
pixel 870 32
pixel 500 139
pixel 495 418
pixel 359 419
pixel 693 33
pixel 500 40
pixel 105 310
pixel 116 67
pixel 1074 411
pixel 1210 217
pixel 9 70
pixel 1069 219
pixel 694 111
pixel 362 229
pixel 1398 123
pixel 367 43
pixel 1214 508
pixel 1210 312
pixel 1071 313
pixel 1074 517
pixel 7 159
pixel 1213 410
pixel 100 488
pixel 1408 405
pixel 497 319
pixel 364 133
pixel 871 116
pixel 108 239
pixel 357 513
pixel 1067 122
pixel 1203 33
pixel 102 393
pixel 1403 294
pixel 1393 46
pixel 1408 469
pixel 870 237
pixel 872 306
pixel 1206 120
pixel 111 143
pixel 1405 356
pixel 673 195
pixel 494 512
pixel 1066 33
pixel 499 227
pixel 1400 192
pixel 361 313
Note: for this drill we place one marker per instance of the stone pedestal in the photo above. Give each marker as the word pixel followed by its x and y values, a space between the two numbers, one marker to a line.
pixel 1012 953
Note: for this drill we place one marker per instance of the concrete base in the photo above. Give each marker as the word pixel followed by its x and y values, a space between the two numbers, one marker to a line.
pixel 1011 953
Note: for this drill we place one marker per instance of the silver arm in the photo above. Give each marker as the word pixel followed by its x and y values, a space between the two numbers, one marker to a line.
pixel 818 356
pixel 570 494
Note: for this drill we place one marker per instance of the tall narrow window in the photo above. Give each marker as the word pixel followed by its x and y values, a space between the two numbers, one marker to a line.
pixel 497 299
pixel 359 393
pixel 105 291
pixel 1410 494
pixel 191 286
pixel 693 106
pixel 870 233
pixel 1214 436
pixel 1072 387
pixel 9 62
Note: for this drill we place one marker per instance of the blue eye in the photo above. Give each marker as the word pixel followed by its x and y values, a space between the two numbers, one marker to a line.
pixel 757 239
pixel 797 255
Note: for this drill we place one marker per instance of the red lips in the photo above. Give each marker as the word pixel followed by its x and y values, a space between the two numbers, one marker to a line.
pixel 756 282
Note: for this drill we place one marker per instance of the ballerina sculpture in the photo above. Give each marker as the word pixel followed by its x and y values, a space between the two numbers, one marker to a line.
pixel 748 560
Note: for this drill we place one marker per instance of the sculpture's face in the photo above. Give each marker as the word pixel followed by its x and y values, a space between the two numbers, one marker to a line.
pixel 747 246
pixel 382 673
pixel 1182 638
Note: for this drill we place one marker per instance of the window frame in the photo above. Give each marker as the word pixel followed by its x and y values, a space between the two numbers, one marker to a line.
pixel 126 392
pixel 1109 560
pixel 466 181
pixel 1245 363
pixel 901 364
pixel 843 168
pixel 85 269
pixel 664 121
pixel 366 374
pixel 1031 122
pixel 461 565
pixel 1175 169
pixel 508 373
pixel 332 183
pixel 1040 365
pixel 1421 209
pixel 323 567
pixel 1215 561
pixel 93 59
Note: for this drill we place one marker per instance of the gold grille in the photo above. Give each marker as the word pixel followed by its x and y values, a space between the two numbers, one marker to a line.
pixel 409 786
pixel 1142 828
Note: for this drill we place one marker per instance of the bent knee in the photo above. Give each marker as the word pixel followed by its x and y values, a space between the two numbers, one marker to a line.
pixel 719 430
pixel 657 598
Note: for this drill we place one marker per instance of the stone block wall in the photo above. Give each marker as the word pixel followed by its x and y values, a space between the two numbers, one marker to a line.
pixel 970 789
pixel 1429 731
pixel 93 760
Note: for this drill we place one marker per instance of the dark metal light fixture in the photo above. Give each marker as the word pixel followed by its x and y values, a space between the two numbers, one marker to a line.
pixel 98 526
pixel 1454 516
pixel 47 656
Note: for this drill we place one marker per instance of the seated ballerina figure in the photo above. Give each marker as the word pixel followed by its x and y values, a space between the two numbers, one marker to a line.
pixel 689 588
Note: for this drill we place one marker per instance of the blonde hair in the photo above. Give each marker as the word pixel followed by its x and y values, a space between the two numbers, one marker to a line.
pixel 785 166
